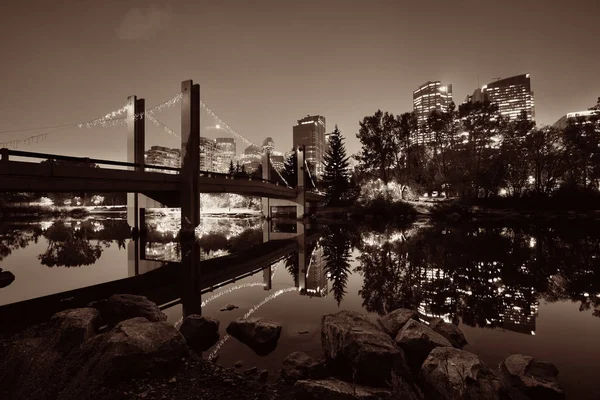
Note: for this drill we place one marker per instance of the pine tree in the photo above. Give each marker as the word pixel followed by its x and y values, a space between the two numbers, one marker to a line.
pixel 289 169
pixel 231 168
pixel 336 176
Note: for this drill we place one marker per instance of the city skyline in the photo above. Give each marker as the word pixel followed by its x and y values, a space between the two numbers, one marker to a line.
pixel 251 65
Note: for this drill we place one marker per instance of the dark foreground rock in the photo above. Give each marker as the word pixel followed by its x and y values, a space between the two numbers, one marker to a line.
pixel 449 373
pixel 6 278
pixel 121 307
pixel 337 390
pixel 537 379
pixel 70 328
pixel 200 332
pixel 355 346
pixel 418 340
pixel 394 321
pixel 260 334
pixel 300 365
pixel 449 331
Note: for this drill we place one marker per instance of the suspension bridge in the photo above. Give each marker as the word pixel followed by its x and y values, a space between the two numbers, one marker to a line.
pixel 151 186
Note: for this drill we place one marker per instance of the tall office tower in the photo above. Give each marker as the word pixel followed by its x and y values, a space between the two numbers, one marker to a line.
pixel 251 158
pixel 512 95
pixel 428 97
pixel 310 132
pixel 158 155
pixel 208 150
pixel 268 145
pixel 225 153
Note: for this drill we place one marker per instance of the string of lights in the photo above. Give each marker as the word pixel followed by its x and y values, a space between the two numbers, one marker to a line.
pixel 169 103
pixel 158 123
pixel 14 144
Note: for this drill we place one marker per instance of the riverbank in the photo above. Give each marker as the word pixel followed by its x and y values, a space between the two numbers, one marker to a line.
pixel 122 348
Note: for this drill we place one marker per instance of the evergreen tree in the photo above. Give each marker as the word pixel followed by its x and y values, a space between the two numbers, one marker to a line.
pixel 231 168
pixel 289 169
pixel 336 176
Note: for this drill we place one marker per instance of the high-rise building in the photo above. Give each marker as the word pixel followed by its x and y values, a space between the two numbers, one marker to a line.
pixel 225 153
pixel 166 157
pixel 208 150
pixel 577 117
pixel 428 97
pixel 251 158
pixel 310 132
pixel 512 95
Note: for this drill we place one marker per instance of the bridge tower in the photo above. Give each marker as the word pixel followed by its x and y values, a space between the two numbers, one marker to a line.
pixel 300 201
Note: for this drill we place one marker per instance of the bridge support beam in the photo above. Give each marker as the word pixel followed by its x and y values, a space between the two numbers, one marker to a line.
pixel 301 187
pixel 266 174
pixel 190 198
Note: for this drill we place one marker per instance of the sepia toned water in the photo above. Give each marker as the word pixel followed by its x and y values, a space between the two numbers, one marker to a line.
pixel 533 290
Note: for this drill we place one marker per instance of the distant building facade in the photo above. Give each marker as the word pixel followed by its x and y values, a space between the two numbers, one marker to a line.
pixel 225 153
pixel 577 117
pixel 251 158
pixel 164 156
pixel 426 98
pixel 512 95
pixel 208 152
pixel 310 132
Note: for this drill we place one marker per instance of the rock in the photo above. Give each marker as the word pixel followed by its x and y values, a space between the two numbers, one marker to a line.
pixel 238 364
pixel 173 380
pixel 260 334
pixel 337 390
pixel 251 371
pixel 229 307
pixel 417 340
pixel 229 381
pixel 537 379
pixel 121 307
pixel 6 278
pixel 263 375
pixel 70 328
pixel 355 346
pixel 300 365
pixel 449 373
pixel 394 321
pixel 449 331
pixel 302 332
pixel 200 332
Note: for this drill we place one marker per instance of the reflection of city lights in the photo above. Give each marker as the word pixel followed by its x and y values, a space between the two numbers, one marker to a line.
pixel 533 333
pixel 532 242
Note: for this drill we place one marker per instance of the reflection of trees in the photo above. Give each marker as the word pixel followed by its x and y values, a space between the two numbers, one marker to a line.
pixel 336 249
pixel 487 276
pixel 71 246
pixel 14 237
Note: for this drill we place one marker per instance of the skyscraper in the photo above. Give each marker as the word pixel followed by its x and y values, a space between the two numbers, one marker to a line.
pixel 512 95
pixel 251 158
pixel 208 149
pixel 310 132
pixel 428 97
pixel 225 153
pixel 166 157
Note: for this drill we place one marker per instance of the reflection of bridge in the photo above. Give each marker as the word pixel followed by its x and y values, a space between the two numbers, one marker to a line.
pixel 166 283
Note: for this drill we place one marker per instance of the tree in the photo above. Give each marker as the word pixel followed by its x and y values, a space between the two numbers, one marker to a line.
pixel 335 164
pixel 231 168
pixel 548 158
pixel 379 150
pixel 289 169
pixel 516 162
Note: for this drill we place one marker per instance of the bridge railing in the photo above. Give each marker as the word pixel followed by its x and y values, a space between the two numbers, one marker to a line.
pixel 6 153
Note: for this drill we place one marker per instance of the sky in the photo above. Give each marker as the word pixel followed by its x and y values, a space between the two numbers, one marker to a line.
pixel 264 64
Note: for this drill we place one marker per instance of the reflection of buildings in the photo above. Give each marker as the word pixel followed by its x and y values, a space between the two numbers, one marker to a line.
pixel 166 157
pixel 316 278
pixel 208 153
pixel 310 132
pixel 520 310
pixel 225 154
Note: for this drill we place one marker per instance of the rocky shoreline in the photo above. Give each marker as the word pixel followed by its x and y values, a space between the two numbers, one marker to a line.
pixel 122 348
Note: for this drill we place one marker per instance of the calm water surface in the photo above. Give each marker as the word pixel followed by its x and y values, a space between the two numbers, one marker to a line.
pixel 533 290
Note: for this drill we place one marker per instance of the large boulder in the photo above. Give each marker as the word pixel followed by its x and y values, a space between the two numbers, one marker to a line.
pixel 356 347
pixel 394 321
pixel 121 307
pixel 335 389
pixel 300 365
pixel 260 334
pixel 449 373
pixel 449 331
pixel 70 328
pixel 200 332
pixel 537 379
pixel 417 340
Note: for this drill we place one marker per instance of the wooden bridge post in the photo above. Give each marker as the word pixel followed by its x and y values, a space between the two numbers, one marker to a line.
pixel 266 174
pixel 135 154
pixel 301 187
pixel 190 198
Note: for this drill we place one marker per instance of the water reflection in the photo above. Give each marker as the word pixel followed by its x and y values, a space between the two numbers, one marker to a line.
pixel 486 277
